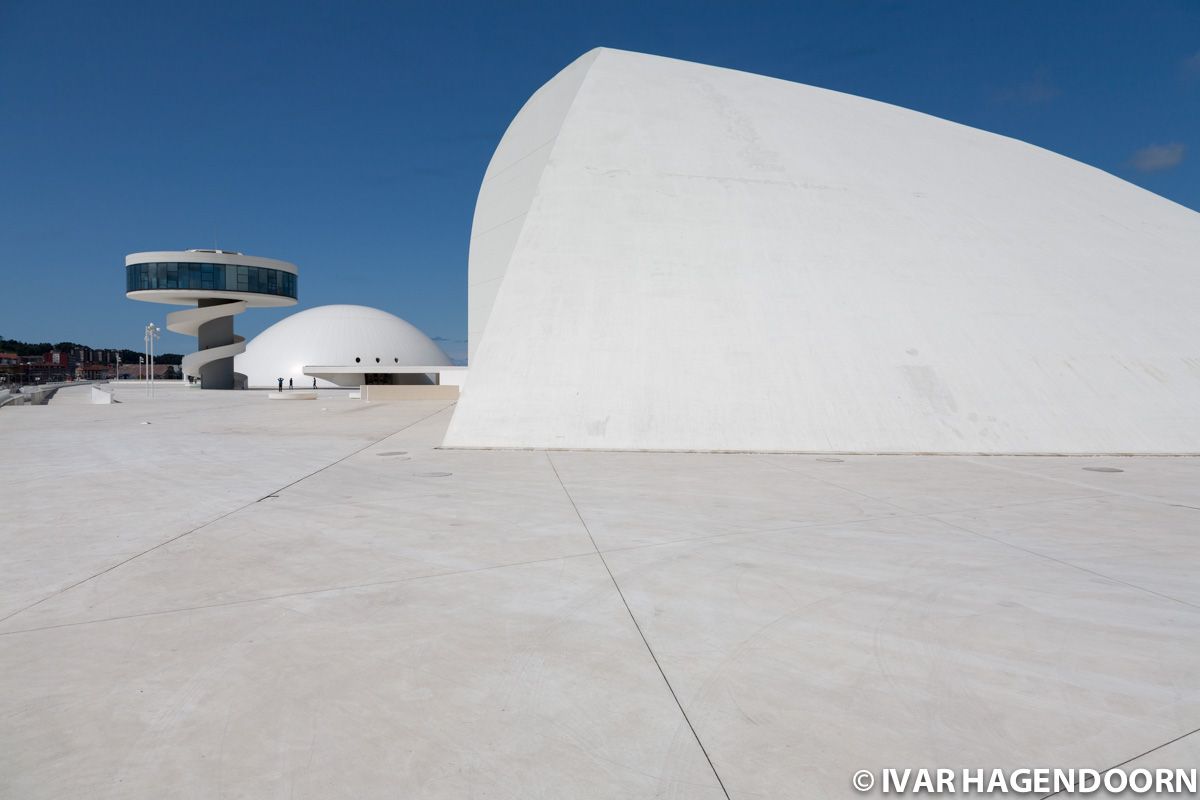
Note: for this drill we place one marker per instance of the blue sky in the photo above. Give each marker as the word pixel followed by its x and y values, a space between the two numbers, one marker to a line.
pixel 350 137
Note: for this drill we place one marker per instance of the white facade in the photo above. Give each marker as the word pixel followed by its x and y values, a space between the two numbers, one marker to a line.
pixel 338 345
pixel 667 255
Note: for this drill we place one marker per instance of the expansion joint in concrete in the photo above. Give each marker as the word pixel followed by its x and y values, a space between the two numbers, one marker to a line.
pixel 216 519
pixel 638 627
pixel 1141 755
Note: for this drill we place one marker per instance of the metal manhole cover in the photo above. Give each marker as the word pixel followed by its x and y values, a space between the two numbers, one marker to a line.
pixel 433 474
pixel 1103 469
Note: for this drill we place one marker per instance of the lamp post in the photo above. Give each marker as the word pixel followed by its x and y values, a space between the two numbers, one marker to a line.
pixel 152 332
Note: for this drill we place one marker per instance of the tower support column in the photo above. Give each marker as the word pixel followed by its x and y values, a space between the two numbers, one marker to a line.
pixel 217 374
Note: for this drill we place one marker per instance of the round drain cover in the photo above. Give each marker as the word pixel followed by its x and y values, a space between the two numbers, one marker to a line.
pixel 1103 469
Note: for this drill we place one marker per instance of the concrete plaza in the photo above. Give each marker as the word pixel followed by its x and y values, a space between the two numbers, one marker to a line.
pixel 212 595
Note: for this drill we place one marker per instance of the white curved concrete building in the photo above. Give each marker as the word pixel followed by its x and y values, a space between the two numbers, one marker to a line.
pixel 339 345
pixel 667 255
pixel 220 284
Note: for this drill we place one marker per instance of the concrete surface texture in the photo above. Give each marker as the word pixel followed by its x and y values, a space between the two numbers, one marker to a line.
pixel 378 392
pixel 667 255
pixel 323 604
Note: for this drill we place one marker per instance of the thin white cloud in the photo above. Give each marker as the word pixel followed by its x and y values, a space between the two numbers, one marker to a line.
pixel 1158 157
pixel 1037 91
pixel 1191 65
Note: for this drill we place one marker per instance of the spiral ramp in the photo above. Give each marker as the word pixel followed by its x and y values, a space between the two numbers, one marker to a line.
pixel 188 322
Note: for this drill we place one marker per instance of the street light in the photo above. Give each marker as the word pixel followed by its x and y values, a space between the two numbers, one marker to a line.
pixel 152 332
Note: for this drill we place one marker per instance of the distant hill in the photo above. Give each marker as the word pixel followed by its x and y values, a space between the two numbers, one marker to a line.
pixel 40 348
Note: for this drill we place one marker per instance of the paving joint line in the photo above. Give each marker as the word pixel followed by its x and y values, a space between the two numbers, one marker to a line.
pixel 350 455
pixel 1116 491
pixel 1107 770
pixel 302 593
pixel 804 526
pixel 936 518
pixel 212 521
pixel 451 573
pixel 638 627
pixel 1054 560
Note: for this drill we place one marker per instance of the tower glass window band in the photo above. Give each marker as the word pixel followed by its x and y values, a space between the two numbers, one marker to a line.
pixel 223 277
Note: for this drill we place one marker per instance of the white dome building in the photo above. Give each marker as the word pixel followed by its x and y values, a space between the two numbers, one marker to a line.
pixel 339 345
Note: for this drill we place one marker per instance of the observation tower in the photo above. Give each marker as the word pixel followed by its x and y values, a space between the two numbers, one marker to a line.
pixel 220 284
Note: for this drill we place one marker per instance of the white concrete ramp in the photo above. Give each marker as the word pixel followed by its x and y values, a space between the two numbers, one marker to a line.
pixel 188 322
pixel 69 395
